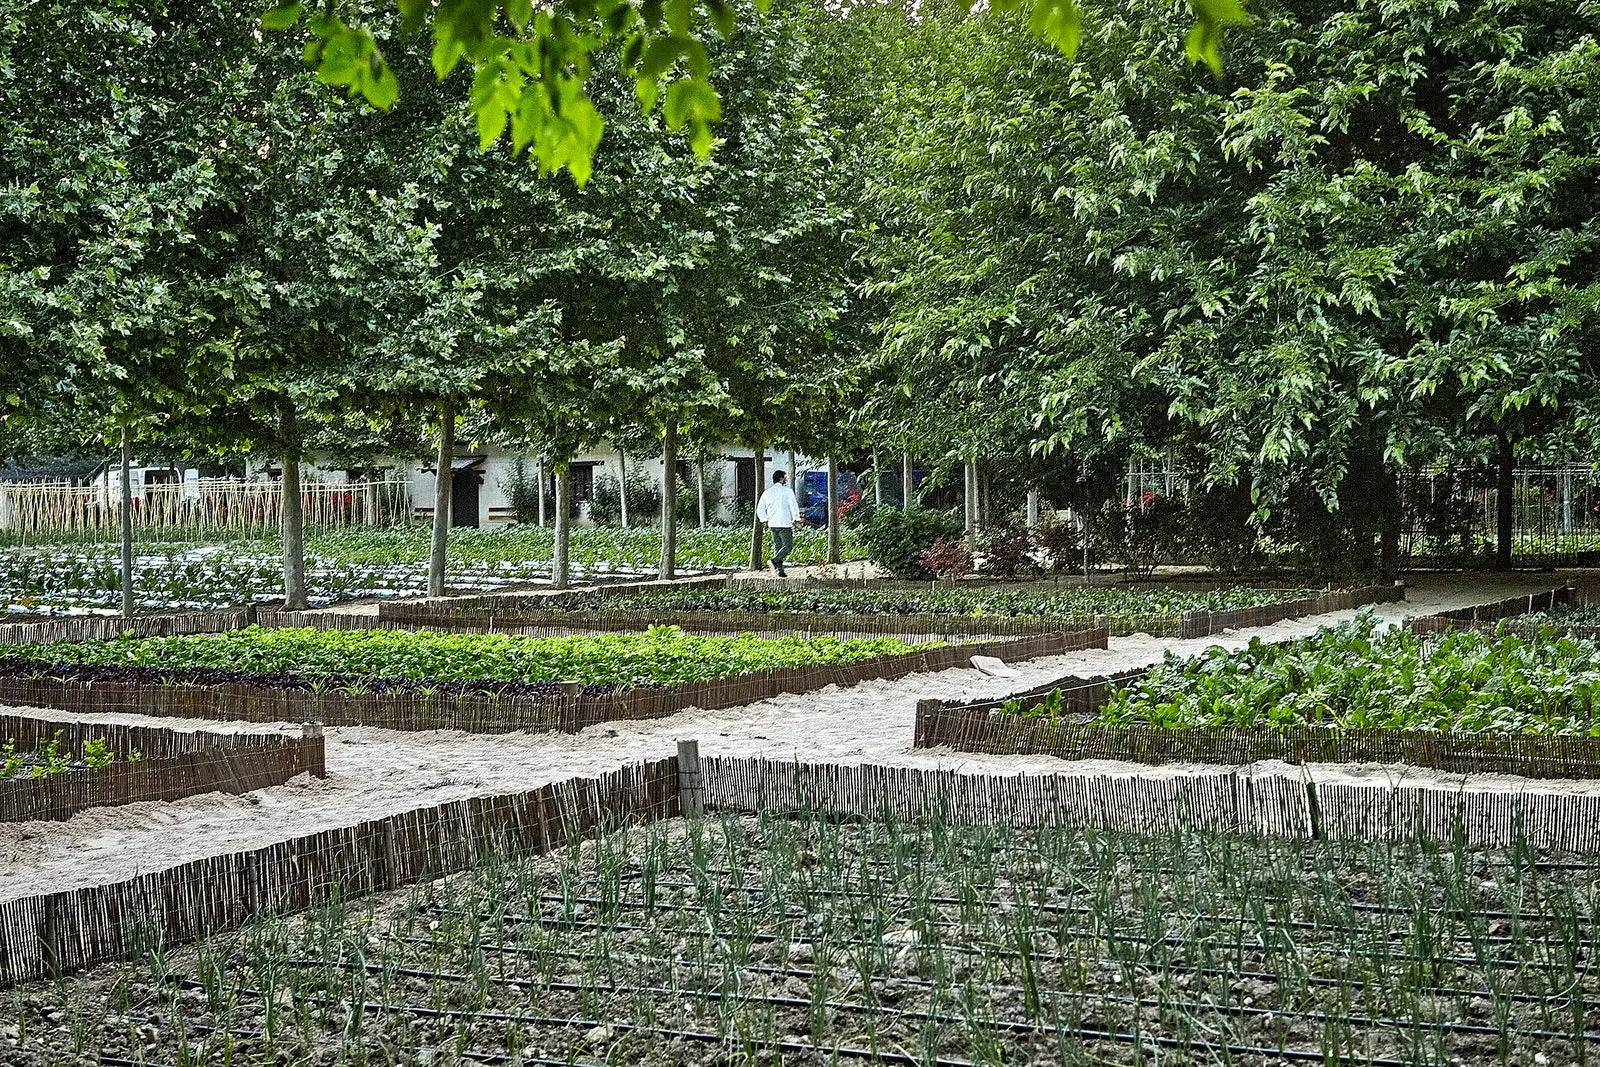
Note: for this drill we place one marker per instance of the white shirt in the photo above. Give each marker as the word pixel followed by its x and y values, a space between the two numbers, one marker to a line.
pixel 777 506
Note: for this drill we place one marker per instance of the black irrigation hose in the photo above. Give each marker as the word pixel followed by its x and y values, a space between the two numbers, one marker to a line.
pixel 1170 940
pixel 1012 1026
pixel 1181 968
pixel 1382 909
pixel 880 1056
pixel 1051 909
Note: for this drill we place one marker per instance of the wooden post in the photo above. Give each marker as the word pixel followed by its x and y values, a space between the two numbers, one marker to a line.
pixel 755 524
pixel 833 510
pixel 669 500
pixel 292 512
pixel 126 520
pixel 563 502
pixel 542 481
pixel 441 498
pixel 905 479
pixel 622 484
pixel 691 780
pixel 700 488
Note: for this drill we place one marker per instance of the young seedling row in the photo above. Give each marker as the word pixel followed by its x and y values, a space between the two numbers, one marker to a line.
pixel 807 940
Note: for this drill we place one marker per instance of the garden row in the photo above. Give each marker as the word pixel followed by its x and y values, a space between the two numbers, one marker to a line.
pixel 54 769
pixel 1515 697
pixel 354 563
pixel 1097 926
pixel 418 680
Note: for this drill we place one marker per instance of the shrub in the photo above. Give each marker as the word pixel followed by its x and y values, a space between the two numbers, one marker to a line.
pixel 946 558
pixel 522 489
pixel 1008 552
pixel 893 539
pixel 644 499
pixel 1061 545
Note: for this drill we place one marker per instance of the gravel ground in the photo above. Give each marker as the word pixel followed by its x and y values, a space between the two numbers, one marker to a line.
pixel 373 773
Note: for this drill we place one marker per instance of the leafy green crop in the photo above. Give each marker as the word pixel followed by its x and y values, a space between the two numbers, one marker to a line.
pixel 663 655
pixel 355 562
pixel 51 758
pixel 1353 676
pixel 1076 603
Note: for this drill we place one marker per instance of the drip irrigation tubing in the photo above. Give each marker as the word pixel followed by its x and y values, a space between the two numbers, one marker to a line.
pixel 1362 906
pixel 879 1055
pixel 1107 961
pixel 996 905
pixel 1170 940
pixel 776 1000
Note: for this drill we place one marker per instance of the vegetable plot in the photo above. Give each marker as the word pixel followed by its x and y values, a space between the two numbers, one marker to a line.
pixel 806 941
pixel 351 563
pixel 1083 603
pixel 54 758
pixel 663 655
pixel 1352 676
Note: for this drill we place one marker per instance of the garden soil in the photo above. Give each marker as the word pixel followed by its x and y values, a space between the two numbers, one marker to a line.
pixel 374 773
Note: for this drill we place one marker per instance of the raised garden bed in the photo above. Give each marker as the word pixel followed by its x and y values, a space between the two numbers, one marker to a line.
pixel 808 940
pixel 1459 701
pixel 126 764
pixel 352 563
pixel 902 608
pixel 474 702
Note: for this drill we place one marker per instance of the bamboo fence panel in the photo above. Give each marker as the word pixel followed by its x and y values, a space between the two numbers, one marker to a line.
pixel 173 764
pixel 237 506
pixel 571 708
pixel 534 614
pixel 1221 800
pixel 52 933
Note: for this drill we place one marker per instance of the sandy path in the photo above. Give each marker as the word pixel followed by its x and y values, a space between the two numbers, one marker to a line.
pixel 373 772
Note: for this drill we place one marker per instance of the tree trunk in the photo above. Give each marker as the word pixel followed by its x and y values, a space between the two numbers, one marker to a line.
pixel 794 474
pixel 441 498
pixel 700 488
pixel 905 479
pixel 622 485
pixel 126 519
pixel 755 524
pixel 969 497
pixel 1390 518
pixel 369 500
pixel 293 512
pixel 877 479
pixel 833 510
pixel 1033 509
pixel 563 503
pixel 669 501
pixel 1504 483
pixel 541 492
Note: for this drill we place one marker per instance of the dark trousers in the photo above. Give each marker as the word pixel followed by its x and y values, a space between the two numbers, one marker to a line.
pixel 782 544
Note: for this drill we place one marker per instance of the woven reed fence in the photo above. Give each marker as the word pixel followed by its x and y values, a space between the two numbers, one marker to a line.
pixel 1221 800
pixel 570 711
pixel 109 627
pixel 1205 623
pixel 223 504
pixel 56 932
pixel 538 623
pixel 525 614
pixel 1528 755
pixel 173 764
pixel 1500 615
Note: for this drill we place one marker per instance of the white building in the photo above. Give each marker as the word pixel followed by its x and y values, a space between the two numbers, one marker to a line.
pixel 483 479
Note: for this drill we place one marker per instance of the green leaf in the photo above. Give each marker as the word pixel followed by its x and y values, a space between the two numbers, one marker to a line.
pixel 1204 41
pixel 649 91
pixel 721 17
pixel 1057 21
pixel 691 100
pixel 659 57
pixel 283 16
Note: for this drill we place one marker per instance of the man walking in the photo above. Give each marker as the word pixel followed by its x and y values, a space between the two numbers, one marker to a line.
pixel 778 509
